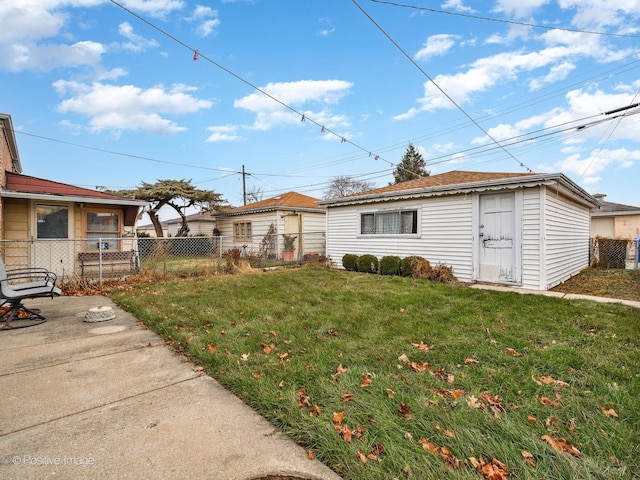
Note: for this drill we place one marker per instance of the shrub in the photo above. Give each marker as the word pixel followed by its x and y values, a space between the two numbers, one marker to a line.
pixel 443 274
pixel 350 262
pixel 368 263
pixel 390 265
pixel 421 269
pixel 406 265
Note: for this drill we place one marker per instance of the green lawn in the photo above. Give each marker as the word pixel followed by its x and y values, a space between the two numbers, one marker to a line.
pixel 387 377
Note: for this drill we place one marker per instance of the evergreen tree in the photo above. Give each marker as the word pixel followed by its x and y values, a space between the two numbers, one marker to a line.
pixel 411 166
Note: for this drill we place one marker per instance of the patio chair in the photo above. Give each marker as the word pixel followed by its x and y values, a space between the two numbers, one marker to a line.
pixel 17 285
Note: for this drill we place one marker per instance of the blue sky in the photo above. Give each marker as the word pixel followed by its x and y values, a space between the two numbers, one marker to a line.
pixel 302 91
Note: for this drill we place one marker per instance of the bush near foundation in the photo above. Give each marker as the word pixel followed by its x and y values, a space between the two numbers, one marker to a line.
pixel 350 262
pixel 368 263
pixel 390 265
pixel 407 263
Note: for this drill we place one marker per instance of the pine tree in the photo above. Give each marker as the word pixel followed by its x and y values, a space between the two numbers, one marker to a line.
pixel 411 166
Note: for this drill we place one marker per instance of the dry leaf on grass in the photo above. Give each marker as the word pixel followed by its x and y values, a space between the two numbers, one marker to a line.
pixel 562 445
pixel 514 353
pixel 609 412
pixel 365 381
pixel 528 457
pixel 422 346
pixel 345 397
pixel 493 470
pixel 339 371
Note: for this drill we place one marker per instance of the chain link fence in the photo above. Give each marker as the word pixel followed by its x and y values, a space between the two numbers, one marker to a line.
pixel 614 253
pixel 115 258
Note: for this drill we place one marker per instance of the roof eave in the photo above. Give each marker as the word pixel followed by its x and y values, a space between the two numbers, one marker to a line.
pixel 277 208
pixel 461 188
pixel 73 198
pixel 11 140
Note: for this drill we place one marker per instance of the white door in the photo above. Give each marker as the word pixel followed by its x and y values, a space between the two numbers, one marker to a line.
pixel 497 238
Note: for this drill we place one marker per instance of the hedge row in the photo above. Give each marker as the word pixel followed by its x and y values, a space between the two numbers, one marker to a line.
pixel 413 266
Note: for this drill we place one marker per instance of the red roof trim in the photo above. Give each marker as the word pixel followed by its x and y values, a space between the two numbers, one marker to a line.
pixel 27 184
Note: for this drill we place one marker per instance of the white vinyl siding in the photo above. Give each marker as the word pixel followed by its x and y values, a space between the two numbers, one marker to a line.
pixel 566 237
pixel 532 252
pixel 444 233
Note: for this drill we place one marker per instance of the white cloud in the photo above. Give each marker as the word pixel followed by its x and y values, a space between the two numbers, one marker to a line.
pixel 326 27
pixel 270 113
pixel 224 133
pixel 593 13
pixel 436 45
pixel 136 43
pixel 519 8
pixel 457 6
pixel 155 8
pixel 127 107
pixel 592 167
pixel 557 73
pixel 47 57
pixel 206 19
pixel 487 72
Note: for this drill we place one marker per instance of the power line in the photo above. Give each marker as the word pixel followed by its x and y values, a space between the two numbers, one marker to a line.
pixel 438 86
pixel 302 115
pixel 499 20
pixel 112 152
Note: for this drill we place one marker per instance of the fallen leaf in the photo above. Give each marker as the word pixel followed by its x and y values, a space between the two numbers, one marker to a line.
pixel 404 410
pixel 366 381
pixel 315 411
pixel 244 357
pixel 457 393
pixel 514 353
pixel 609 412
pixel 198 369
pixel 345 397
pixel 339 371
pixel 562 445
pixel 449 433
pixel 281 384
pixel 422 346
pixel 532 419
pixel 403 358
pixel 303 398
pixel 362 456
pixel 469 361
pixel 311 454
pixel 266 350
pixel 273 333
pixel 528 457
pixel 401 310
pixel 346 433
pixel 256 374
pixel 473 402
pixel 338 417
pixel 212 347
pixel 549 402
pixel 390 393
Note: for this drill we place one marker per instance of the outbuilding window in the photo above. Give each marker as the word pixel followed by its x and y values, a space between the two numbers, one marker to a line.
pixel 397 222
pixel 103 230
pixel 241 231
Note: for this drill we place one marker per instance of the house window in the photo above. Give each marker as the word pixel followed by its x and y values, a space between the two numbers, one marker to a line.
pixel 398 222
pixel 241 231
pixel 103 229
pixel 53 221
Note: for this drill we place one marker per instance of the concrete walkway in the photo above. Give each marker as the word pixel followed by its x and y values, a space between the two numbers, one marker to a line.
pixel 568 296
pixel 110 400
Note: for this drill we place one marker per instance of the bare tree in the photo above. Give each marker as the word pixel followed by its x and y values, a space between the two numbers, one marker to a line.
pixel 254 194
pixel 346 185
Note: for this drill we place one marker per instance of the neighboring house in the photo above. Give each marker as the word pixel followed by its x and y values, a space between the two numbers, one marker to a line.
pixel 149 229
pixel 615 220
pixel 54 225
pixel 198 224
pixel 260 227
pixel 529 230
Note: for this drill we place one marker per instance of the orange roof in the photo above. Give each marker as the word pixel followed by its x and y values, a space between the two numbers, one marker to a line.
pixel 286 201
pixel 455 177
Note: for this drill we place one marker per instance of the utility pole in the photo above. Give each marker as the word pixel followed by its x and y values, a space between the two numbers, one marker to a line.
pixel 244 186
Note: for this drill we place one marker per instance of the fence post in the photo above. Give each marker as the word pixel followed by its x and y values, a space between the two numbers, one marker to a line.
pixel 100 259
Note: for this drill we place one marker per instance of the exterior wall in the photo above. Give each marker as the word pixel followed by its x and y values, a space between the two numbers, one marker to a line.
pixel 603 227
pixel 313 230
pixel 532 239
pixel 16 215
pixel 627 226
pixel 567 231
pixel 196 227
pixel 444 233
